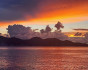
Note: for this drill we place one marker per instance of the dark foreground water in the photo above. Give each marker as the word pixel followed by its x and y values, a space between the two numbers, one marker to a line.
pixel 50 58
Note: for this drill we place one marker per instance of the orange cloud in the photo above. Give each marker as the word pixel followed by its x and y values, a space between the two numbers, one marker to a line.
pixel 66 11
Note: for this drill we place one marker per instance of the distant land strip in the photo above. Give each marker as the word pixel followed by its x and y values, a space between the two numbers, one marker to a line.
pixel 36 41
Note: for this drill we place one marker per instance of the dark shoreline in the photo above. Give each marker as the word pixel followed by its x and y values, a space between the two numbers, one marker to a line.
pixel 36 41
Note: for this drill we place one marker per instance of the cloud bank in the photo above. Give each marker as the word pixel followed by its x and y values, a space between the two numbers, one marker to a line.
pixel 22 32
pixel 80 29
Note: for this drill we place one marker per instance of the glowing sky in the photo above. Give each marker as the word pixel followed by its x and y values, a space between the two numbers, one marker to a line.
pixel 39 13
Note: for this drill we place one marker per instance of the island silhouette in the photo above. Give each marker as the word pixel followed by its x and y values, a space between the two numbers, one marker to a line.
pixel 36 41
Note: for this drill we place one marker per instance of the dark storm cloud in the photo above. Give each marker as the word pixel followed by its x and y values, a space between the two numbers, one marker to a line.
pixel 22 5
pixel 78 34
pixel 17 9
pixel 59 25
pixel 80 29
pixel 47 29
pixel 8 15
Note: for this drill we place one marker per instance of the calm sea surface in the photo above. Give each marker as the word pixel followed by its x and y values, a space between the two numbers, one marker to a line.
pixel 45 58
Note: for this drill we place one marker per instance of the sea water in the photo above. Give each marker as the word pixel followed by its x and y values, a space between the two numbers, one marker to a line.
pixel 44 58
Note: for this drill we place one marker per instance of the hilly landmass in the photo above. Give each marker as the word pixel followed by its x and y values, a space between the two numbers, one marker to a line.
pixel 36 41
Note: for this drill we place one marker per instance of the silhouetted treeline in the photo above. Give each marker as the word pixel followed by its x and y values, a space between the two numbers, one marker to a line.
pixel 36 41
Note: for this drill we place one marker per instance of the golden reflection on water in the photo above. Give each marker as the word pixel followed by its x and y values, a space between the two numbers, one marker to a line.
pixel 44 58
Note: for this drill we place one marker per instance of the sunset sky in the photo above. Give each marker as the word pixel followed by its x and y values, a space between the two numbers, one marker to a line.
pixel 73 14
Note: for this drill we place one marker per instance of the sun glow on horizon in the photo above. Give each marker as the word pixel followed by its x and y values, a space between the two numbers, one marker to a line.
pixel 74 36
